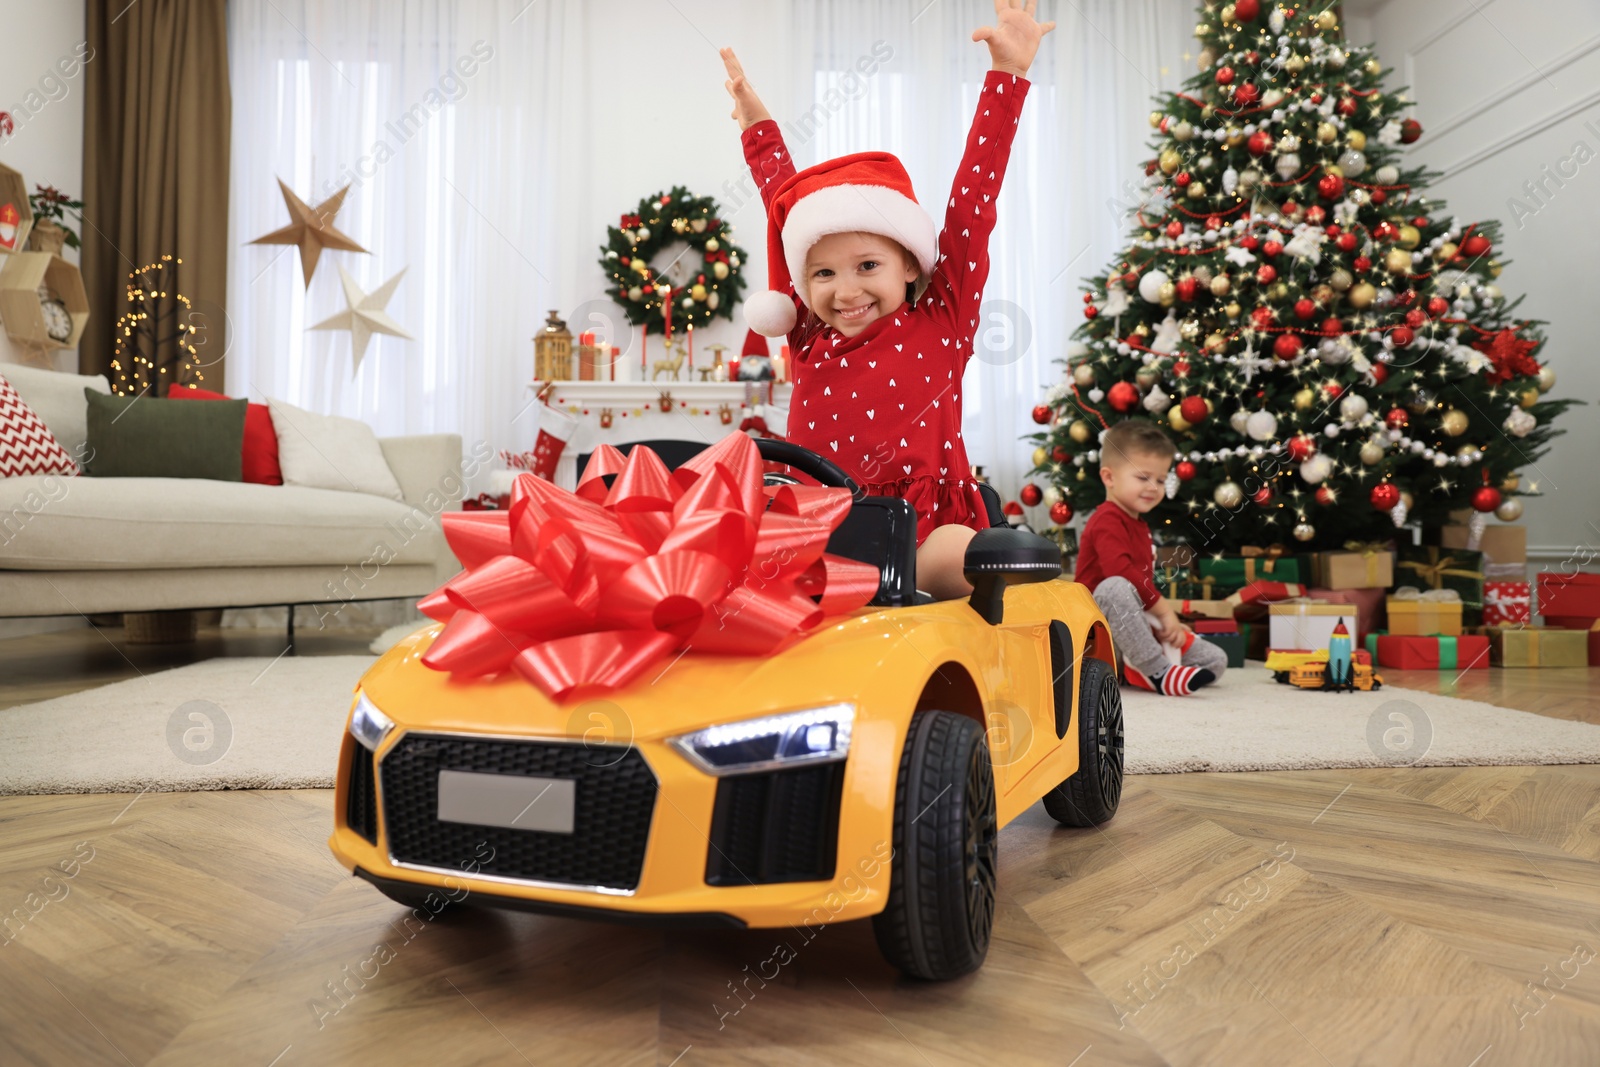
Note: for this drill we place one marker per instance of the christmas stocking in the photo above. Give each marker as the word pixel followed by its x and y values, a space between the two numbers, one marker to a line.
pixel 555 430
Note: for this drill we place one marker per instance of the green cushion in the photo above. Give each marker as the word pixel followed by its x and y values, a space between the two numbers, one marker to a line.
pixel 141 437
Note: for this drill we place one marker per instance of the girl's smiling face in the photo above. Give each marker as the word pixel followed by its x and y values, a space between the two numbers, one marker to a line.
pixel 854 278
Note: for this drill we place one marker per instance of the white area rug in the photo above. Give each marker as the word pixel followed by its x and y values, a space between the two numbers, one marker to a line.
pixel 274 724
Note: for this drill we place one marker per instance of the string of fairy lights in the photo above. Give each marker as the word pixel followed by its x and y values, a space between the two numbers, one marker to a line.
pixel 152 300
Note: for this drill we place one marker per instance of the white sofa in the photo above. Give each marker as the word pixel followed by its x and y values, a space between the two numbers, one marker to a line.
pixel 78 545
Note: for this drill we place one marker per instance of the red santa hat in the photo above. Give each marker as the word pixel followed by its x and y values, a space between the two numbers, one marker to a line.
pixel 754 345
pixel 868 192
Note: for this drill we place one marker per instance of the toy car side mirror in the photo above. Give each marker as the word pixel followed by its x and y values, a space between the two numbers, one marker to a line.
pixel 999 557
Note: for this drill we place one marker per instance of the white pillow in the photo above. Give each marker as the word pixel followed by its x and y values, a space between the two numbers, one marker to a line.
pixel 330 452
pixel 57 398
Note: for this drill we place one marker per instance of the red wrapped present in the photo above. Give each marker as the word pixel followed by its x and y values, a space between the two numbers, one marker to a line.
pixel 1438 653
pixel 1265 592
pixel 1369 605
pixel 1506 602
pixel 1214 626
pixel 1580 622
pixel 1562 593
pixel 590 588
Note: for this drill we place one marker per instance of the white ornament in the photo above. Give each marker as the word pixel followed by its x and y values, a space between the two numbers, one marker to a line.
pixel 1097 394
pixel 364 316
pixel 1352 406
pixel 1238 419
pixel 1169 333
pixel 1398 513
pixel 1150 285
pixel 1116 301
pixel 1261 425
pixel 1520 423
pixel 1275 20
pixel 1230 181
pixel 1156 400
pixel 1388 174
pixel 1389 135
pixel 1352 162
pixel 1288 165
pixel 1316 469
pixel 1172 484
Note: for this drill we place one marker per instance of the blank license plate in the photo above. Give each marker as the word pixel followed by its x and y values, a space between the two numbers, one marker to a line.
pixel 509 800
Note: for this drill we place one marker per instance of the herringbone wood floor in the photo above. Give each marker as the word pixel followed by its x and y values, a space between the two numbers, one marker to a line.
pixel 1400 916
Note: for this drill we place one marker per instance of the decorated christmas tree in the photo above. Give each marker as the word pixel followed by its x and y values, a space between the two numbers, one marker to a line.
pixel 1326 344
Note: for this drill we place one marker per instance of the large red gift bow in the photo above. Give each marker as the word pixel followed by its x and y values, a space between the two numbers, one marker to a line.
pixel 591 587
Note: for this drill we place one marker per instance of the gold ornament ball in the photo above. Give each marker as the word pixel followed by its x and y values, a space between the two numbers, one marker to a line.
pixel 1197 190
pixel 1155 119
pixel 1371 453
pixel 1509 510
pixel 1547 379
pixel 719 270
pixel 1373 67
pixel 1079 431
pixel 1469 452
pixel 1146 377
pixel 1228 13
pixel 1167 294
pixel 1220 285
pixel 1182 131
pixel 1494 268
pixel 1205 59
pixel 1083 375
pixel 1278 292
pixel 1039 456
pixel 1304 531
pixel 1529 398
pixel 1235 137
pixel 1169 161
pixel 1216 344
pixel 697 292
pixel 640 266
pixel 1326 20
pixel 1512 484
pixel 1341 279
pixel 1228 495
pixel 1323 294
pixel 1446 252
pixel 1326 132
pixel 713 244
pixel 1082 474
pixel 1333 169
pixel 1361 295
pixel 1356 139
pixel 1189 329
pixel 1176 420
pixel 1305 398
pixel 1410 236
pixel 1397 261
pixel 1232 310
pixel 1294 64
pixel 635 293
pixel 1454 422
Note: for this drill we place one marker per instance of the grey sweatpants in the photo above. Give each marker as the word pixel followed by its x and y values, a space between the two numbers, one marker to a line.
pixel 1124 611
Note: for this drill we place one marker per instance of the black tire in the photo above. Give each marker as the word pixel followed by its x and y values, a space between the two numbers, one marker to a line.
pixel 942 879
pixel 1090 797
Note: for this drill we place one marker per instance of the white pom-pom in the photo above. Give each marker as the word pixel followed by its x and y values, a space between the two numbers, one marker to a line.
pixel 771 314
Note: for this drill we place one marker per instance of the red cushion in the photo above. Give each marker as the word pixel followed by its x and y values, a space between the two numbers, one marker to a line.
pixel 26 444
pixel 260 459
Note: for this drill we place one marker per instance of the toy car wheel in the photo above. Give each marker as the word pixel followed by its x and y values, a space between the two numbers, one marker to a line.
pixel 942 881
pixel 1091 795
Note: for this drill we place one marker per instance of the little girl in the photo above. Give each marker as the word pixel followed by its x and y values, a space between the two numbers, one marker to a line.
pixel 879 313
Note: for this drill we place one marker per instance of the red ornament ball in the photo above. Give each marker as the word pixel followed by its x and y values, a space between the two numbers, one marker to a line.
pixel 1346 242
pixel 1031 494
pixel 1475 246
pixel 1377 196
pixel 1401 336
pixel 1245 94
pixel 1249 242
pixel 1174 229
pixel 1194 410
pixel 1061 513
pixel 1385 231
pixel 1486 499
pixel 1286 346
pixel 1262 316
pixel 1438 306
pixel 1347 105
pixel 1332 325
pixel 1224 75
pixel 1315 215
pixel 1186 471
pixel 1123 396
pixel 1246 10
pixel 1416 317
pixel 1180 368
pixel 1060 454
pixel 1271 248
pixel 1324 495
pixel 1410 130
pixel 1042 413
pixel 1380 373
pixel 1213 222
pixel 1263 496
pixel 1301 447
pixel 1362 264
pixel 1397 418
pixel 1330 187
pixel 1182 179
pixel 1305 307
pixel 1260 143
pixel 1266 274
pixel 1384 496
pixel 1187 288
pixel 1091 312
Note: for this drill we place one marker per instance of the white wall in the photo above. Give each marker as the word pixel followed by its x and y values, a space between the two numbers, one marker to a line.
pixel 1505 90
pixel 46 108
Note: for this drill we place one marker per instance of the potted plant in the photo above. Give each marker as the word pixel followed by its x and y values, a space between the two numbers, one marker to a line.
pixel 50 208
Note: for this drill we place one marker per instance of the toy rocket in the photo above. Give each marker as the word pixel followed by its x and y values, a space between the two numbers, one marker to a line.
pixel 1340 674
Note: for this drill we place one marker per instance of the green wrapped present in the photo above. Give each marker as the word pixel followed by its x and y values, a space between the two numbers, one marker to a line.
pixel 1233 644
pixel 1232 573
pixel 1170 580
pixel 1201 589
pixel 1431 567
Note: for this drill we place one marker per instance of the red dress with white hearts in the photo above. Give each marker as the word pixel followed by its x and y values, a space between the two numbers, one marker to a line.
pixel 885 405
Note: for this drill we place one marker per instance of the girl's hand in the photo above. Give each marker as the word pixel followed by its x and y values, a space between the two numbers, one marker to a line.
pixel 1014 39
pixel 747 107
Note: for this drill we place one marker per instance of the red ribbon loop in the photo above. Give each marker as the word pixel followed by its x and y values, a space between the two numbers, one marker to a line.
pixel 591 588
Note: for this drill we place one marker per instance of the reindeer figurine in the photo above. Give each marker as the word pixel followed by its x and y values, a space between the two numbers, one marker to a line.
pixel 671 366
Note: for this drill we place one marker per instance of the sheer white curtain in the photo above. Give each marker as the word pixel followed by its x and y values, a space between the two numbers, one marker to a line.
pixel 1083 132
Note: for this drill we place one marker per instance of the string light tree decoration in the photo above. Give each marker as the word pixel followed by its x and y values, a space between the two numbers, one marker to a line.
pixel 157 320
pixel 703 283
pixel 1326 344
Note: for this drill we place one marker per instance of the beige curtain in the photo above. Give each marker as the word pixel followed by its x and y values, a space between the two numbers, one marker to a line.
pixel 155 167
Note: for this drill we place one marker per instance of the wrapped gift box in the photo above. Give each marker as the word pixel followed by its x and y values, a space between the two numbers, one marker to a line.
pixel 1233 644
pixel 1537 646
pixel 1306 625
pixel 1172 581
pixel 1214 626
pixel 1577 622
pixel 1569 594
pixel 1255 640
pixel 1506 602
pixel 1500 543
pixel 1232 572
pixel 1368 569
pixel 1432 567
pixel 1203 609
pixel 1423 618
pixel 1437 653
pixel 1369 605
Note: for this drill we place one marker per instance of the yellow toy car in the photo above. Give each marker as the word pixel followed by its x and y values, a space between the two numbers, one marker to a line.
pixel 863 771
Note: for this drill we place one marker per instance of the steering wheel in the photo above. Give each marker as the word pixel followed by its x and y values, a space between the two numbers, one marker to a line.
pixel 807 462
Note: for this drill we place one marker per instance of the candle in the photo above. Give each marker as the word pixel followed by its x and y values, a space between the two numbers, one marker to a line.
pixel 733 370
pixel 586 338
pixel 644 350
pixel 691 351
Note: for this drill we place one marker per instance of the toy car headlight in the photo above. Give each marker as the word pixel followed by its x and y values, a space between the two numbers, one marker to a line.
pixel 368 725
pixel 817 735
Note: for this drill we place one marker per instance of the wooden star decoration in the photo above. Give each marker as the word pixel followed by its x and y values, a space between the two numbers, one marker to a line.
pixel 365 316
pixel 312 229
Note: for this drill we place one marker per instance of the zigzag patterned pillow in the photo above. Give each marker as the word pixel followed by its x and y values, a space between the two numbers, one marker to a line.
pixel 26 444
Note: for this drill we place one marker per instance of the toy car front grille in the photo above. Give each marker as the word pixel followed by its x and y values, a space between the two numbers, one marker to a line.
pixel 776 826
pixel 614 800
pixel 361 796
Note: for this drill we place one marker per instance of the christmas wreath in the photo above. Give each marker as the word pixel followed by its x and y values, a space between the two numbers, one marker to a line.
pixel 703 283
